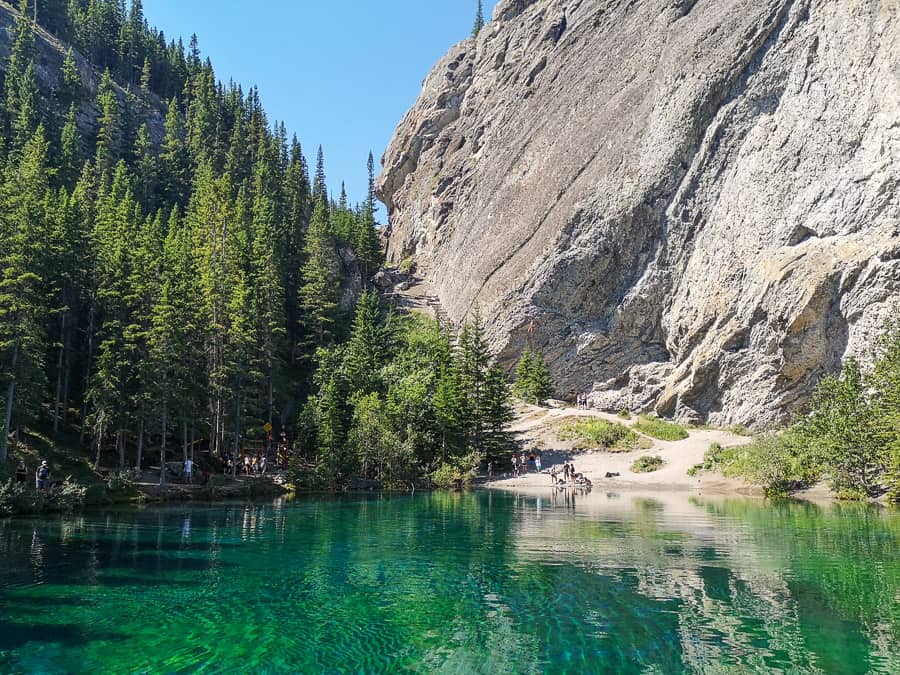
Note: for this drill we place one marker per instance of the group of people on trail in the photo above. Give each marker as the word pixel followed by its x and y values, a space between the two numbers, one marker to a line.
pixel 249 465
pixel 522 464
pixel 582 400
pixel 41 475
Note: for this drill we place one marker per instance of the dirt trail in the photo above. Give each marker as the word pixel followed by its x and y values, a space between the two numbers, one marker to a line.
pixel 538 427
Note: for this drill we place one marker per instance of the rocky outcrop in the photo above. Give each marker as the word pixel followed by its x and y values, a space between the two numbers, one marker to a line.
pixel 49 55
pixel 688 205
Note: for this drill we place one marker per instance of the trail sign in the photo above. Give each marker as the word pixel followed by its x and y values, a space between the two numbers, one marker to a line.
pixel 267 427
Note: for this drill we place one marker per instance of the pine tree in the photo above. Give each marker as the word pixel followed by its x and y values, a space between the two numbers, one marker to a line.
pixel 533 382
pixel 70 161
pixel 331 433
pixel 479 20
pixel 370 194
pixel 147 77
pixel 115 231
pixel 367 349
pixel 27 116
pixel 133 38
pixel 70 87
pixel 448 402
pixel 472 361
pixel 21 57
pixel 174 159
pixel 319 186
pixel 541 382
pixel 498 414
pixel 522 387
pixel 321 275
pixel 147 168
pixel 108 127
pixel 366 241
pixel 266 277
pixel 23 309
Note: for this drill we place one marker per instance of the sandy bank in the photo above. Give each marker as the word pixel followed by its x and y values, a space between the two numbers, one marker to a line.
pixel 538 427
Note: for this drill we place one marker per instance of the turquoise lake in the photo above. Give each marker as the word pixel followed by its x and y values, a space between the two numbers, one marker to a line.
pixel 478 582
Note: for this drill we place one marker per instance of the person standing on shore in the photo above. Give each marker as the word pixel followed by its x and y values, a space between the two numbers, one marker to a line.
pixel 21 473
pixel 537 461
pixel 515 465
pixel 42 477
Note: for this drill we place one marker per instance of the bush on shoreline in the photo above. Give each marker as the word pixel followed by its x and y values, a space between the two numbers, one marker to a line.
pixel 22 499
pixel 647 463
pixel 851 436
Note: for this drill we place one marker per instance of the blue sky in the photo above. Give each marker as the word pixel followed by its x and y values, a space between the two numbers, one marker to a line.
pixel 340 73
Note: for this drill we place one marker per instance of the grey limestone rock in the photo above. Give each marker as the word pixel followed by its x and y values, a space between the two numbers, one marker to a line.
pixel 689 205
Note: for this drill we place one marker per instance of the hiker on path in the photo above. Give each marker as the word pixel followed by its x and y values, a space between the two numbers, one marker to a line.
pixel 188 469
pixel 42 477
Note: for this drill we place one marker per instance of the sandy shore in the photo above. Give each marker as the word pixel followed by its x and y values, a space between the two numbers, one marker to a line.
pixel 538 428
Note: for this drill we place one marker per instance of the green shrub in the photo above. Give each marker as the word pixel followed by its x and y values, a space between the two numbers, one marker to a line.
pixel 21 498
pixel 647 463
pixel 407 266
pixel 779 463
pixel 740 430
pixel 660 429
pixel 456 473
pixel 712 460
pixel 624 414
pixel 598 433
pixel 119 481
pixel 69 496
pixel 842 431
pixel 713 457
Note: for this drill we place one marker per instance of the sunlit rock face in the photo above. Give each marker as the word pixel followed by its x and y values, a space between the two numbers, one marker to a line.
pixel 688 205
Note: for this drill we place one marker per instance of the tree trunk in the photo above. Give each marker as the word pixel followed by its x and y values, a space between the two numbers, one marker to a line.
pixel 237 423
pixel 120 445
pixel 59 372
pixel 87 372
pixel 67 371
pixel 162 447
pixel 99 447
pixel 7 414
pixel 184 440
pixel 140 445
pixel 271 407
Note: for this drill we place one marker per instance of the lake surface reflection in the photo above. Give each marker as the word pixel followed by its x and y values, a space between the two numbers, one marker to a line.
pixel 489 582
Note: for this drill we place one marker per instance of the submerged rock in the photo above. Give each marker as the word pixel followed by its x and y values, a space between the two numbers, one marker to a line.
pixel 688 205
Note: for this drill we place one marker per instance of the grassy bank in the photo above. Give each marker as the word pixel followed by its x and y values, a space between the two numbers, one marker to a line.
pixel 598 434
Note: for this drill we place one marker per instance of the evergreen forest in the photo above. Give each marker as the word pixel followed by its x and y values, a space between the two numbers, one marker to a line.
pixel 174 275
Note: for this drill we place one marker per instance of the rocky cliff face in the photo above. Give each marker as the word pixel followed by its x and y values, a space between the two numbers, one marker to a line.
pixel 690 205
